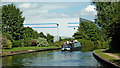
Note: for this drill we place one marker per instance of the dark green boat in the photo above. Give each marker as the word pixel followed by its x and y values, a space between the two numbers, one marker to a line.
pixel 74 46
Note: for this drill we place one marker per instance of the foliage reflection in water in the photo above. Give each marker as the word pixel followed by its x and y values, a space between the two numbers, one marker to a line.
pixel 52 58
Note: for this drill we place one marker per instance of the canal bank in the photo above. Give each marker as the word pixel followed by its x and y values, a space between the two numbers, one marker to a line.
pixel 105 57
pixel 11 53
pixel 55 58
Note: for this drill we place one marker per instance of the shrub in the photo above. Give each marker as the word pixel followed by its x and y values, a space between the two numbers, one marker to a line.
pixel 21 43
pixel 98 44
pixel 42 42
pixel 8 36
pixel 58 43
pixel 9 43
pixel 87 45
pixel 6 43
pixel 33 42
pixel 16 44
pixel 27 42
pixel 104 44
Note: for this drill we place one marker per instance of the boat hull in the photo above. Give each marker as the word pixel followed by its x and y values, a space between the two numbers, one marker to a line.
pixel 76 48
pixel 71 49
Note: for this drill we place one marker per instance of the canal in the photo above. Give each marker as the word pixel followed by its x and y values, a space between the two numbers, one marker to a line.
pixel 53 58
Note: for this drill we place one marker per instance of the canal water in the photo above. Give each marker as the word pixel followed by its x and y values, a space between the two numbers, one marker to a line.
pixel 53 58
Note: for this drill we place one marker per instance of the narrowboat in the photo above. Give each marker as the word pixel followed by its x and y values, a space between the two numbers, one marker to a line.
pixel 71 47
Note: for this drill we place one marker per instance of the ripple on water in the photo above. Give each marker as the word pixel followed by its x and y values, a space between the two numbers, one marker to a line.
pixel 53 58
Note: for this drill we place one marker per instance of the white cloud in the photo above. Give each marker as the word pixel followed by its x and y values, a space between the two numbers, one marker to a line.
pixel 42 11
pixel 46 0
pixel 27 5
pixel 88 11
pixel 51 7
pixel 90 8
pixel 55 15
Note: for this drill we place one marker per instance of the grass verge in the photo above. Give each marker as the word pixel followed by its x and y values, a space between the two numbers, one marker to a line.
pixel 27 48
pixel 107 57
pixel 19 50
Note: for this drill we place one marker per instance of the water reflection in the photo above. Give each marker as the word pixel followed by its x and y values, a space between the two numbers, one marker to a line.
pixel 52 58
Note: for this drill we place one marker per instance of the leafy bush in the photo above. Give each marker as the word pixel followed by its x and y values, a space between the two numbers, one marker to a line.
pixel 59 43
pixel 21 43
pixel 9 44
pixel 56 44
pixel 16 44
pixel 8 36
pixel 87 45
pixel 42 42
pixel 6 43
pixel 26 42
pixel 104 44
pixel 33 42
pixel 97 44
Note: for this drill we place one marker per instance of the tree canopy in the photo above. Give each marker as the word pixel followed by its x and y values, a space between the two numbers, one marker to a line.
pixel 108 18
pixel 12 20
pixel 15 33
pixel 87 30
pixel 42 35
pixel 50 38
pixel 91 36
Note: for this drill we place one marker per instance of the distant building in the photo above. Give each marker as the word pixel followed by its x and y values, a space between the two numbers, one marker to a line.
pixel 85 20
pixel 56 38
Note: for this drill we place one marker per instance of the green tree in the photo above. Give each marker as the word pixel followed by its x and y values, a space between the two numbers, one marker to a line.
pixel 88 35
pixel 108 17
pixel 103 38
pixel 87 30
pixel 42 35
pixel 8 36
pixel 50 38
pixel 80 35
pixel 12 20
pixel 28 33
pixel 60 39
pixel 6 43
pixel 41 42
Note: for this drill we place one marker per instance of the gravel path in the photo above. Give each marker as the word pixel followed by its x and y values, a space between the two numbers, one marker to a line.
pixel 110 54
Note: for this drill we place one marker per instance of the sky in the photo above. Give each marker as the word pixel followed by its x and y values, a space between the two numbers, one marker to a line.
pixel 56 12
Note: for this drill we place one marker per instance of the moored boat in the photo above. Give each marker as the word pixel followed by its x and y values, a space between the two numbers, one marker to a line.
pixel 70 47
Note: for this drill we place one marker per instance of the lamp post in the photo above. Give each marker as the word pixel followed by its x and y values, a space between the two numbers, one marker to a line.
pixel 74 29
pixel 58 32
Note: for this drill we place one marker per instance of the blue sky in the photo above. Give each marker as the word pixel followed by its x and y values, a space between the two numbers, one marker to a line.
pixel 57 12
